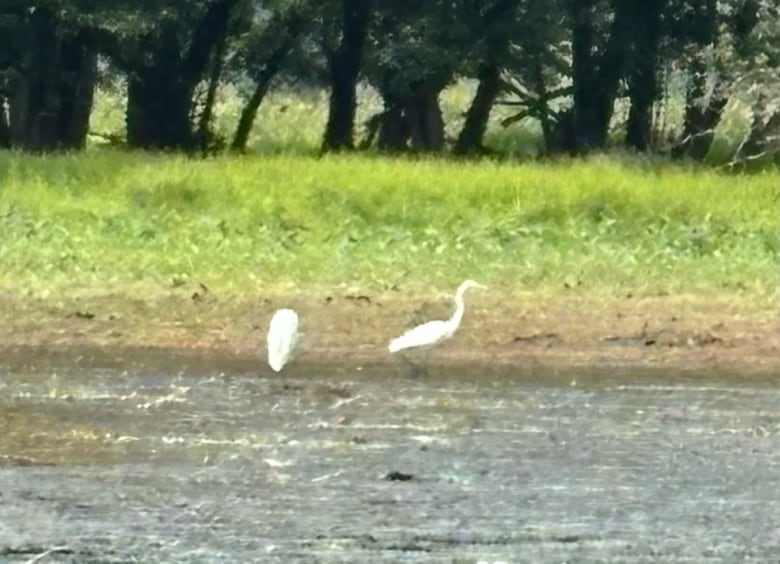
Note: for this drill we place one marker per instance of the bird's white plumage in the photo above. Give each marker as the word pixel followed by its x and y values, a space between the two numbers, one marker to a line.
pixel 282 338
pixel 433 332
pixel 425 335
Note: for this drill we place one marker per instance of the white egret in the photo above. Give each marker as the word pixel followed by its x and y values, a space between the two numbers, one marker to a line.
pixel 282 337
pixel 433 332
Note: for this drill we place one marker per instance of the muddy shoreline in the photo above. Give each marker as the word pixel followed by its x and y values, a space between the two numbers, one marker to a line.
pixel 678 333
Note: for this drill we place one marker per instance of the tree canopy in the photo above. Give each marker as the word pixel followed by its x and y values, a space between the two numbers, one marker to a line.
pixel 567 64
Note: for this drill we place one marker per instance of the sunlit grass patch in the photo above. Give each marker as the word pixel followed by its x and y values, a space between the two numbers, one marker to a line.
pixel 140 224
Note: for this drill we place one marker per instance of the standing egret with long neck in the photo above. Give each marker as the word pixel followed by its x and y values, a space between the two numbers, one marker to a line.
pixel 433 332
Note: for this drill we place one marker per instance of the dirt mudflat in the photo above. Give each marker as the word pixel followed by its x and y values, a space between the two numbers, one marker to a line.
pixel 675 332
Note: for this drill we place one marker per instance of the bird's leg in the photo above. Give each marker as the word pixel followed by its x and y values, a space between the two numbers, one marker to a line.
pixel 412 366
pixel 416 369
pixel 424 357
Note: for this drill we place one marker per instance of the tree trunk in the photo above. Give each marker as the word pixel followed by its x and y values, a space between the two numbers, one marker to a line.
pixel 471 136
pixel 412 122
pixel 270 70
pixel 212 27
pixel 158 111
pixel 18 104
pixel 204 127
pixel 160 94
pixel 5 129
pixel 36 103
pixel 549 127
pixel 344 67
pixel 394 128
pixel 703 106
pixel 427 123
pixel 52 93
pixel 593 130
pixel 496 45
pixel 248 114
pixel 79 62
pixel 584 77
pixel 643 79
pixel 702 115
pixel 596 82
pixel 162 79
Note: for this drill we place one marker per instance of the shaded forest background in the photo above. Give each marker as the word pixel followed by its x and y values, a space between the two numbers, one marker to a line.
pixel 653 76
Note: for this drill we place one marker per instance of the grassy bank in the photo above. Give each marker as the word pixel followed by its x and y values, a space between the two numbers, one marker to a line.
pixel 108 223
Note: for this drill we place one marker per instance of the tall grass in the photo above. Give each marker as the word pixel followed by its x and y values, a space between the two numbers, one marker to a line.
pixel 138 224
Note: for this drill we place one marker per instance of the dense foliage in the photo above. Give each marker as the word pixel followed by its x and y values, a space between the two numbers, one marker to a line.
pixel 653 76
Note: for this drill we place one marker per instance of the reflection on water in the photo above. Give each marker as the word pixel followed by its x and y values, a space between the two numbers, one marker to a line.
pixel 126 455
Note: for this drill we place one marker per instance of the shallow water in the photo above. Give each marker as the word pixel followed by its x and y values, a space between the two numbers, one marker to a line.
pixel 142 456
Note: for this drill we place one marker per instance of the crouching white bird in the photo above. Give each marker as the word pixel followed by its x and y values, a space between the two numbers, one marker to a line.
pixel 433 332
pixel 282 337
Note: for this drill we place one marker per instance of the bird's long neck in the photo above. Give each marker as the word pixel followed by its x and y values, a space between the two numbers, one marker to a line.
pixel 457 317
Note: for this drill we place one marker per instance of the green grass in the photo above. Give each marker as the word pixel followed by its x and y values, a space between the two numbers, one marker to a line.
pixel 143 225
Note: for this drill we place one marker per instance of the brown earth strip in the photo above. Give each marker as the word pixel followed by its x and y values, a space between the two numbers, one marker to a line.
pixel 679 332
